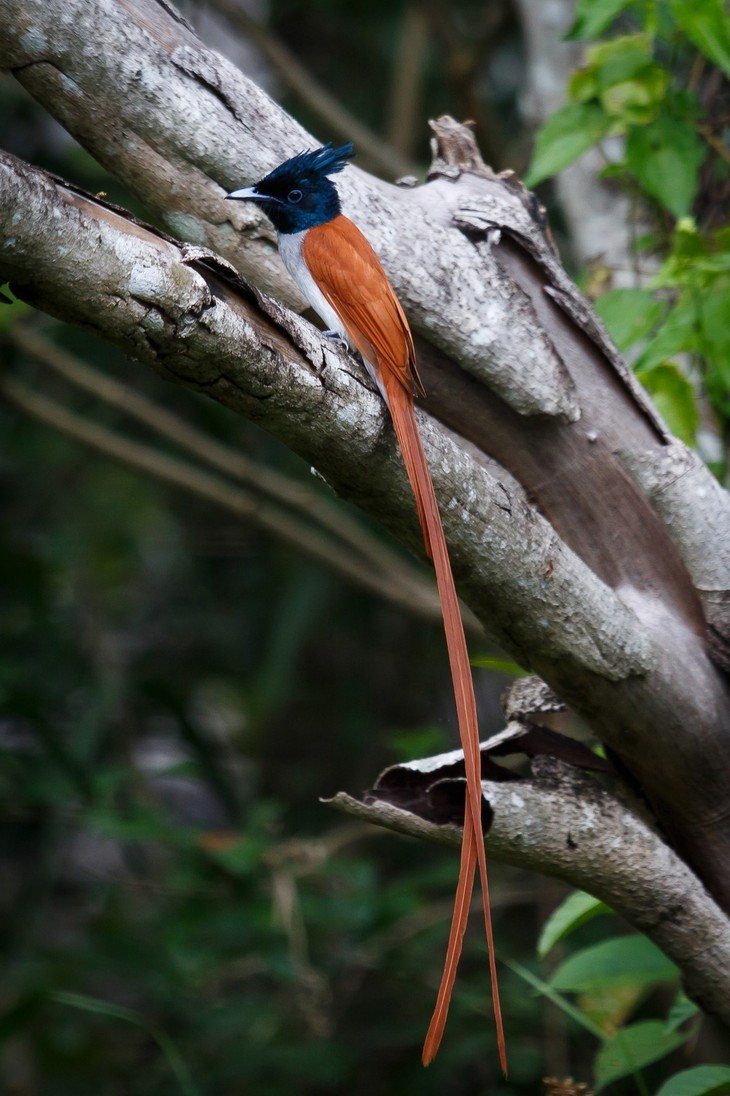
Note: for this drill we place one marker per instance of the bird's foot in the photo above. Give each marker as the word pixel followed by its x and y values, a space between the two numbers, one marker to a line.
pixel 337 337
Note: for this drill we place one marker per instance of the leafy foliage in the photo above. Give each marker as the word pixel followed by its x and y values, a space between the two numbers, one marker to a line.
pixel 613 979
pixel 700 1081
pixel 577 909
pixel 614 962
pixel 649 87
pixel 632 1048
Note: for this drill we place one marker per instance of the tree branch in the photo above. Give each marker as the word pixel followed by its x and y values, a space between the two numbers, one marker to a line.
pixel 601 601
pixel 168 117
pixel 342 543
pixel 289 69
pixel 198 327
pixel 564 824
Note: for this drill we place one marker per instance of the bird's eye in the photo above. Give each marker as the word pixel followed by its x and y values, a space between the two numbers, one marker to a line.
pixel 294 196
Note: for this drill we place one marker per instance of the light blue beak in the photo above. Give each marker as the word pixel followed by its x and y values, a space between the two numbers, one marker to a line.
pixel 248 192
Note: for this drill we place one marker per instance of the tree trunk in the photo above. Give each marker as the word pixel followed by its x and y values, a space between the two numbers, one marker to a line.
pixel 598 552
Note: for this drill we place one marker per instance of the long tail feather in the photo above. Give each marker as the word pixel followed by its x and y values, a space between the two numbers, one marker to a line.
pixel 347 274
pixel 402 410
pixel 462 901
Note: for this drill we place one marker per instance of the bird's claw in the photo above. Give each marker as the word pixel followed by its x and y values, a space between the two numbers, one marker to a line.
pixel 336 337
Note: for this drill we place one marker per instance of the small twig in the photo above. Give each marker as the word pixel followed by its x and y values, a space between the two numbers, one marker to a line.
pixel 183 474
pixel 715 142
pixel 407 80
pixel 266 481
pixel 299 80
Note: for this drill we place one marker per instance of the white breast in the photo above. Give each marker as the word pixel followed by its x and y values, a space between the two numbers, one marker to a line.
pixel 290 249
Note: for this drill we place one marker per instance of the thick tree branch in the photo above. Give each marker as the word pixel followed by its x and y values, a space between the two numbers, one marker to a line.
pixel 601 603
pixel 199 328
pixel 73 256
pixel 168 117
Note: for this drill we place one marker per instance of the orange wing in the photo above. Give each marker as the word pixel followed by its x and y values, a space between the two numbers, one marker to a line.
pixel 348 273
pixel 350 276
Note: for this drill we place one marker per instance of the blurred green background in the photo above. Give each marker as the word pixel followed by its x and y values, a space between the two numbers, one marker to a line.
pixel 178 690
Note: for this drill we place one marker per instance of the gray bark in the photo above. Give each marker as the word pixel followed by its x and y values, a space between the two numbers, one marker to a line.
pixel 179 310
pixel 594 582
pixel 563 824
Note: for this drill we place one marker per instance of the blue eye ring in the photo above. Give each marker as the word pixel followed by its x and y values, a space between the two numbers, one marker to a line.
pixel 294 196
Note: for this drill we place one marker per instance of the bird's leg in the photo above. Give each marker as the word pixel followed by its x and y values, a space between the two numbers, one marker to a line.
pixel 338 338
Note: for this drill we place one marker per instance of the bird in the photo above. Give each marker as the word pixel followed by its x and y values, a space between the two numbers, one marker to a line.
pixel 341 277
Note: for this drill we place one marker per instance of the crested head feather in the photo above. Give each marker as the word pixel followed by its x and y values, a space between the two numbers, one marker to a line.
pixel 314 164
pixel 298 194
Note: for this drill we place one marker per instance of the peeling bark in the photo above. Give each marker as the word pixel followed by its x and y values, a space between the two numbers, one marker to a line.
pixel 561 823
pixel 607 572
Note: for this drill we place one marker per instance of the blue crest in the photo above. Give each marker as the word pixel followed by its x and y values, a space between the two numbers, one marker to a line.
pixel 314 164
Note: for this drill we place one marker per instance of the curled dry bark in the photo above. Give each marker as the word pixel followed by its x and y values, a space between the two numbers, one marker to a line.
pixel 561 823
pixel 598 552
pixel 193 320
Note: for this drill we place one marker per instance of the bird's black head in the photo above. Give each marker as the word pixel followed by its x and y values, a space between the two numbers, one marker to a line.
pixel 298 194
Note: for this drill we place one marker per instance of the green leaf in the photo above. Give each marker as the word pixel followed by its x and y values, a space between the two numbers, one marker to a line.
pixel 620 58
pixel 678 334
pixel 575 910
pixel 629 314
pixel 674 397
pixel 707 25
pixel 700 1081
pixel 556 998
pixel 714 317
pixel 612 1006
pixel 498 665
pixel 570 132
pixel 594 16
pixel 11 309
pixel 583 85
pixel 118 1012
pixel 623 960
pixel 632 1048
pixel 666 157
pixel 682 1010
pixel 624 76
pixel 636 101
